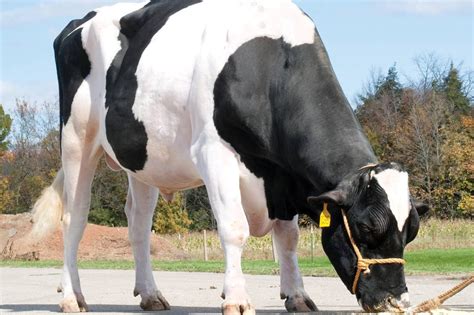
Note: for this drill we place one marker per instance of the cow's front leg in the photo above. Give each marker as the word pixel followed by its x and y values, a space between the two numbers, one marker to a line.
pixel 218 167
pixel 286 235
pixel 141 203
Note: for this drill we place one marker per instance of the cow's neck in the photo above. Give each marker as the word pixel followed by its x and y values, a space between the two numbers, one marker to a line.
pixel 318 133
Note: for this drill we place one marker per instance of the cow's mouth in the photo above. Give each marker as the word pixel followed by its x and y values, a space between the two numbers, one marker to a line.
pixel 389 304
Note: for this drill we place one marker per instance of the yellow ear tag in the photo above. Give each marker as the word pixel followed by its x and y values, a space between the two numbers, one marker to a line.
pixel 325 217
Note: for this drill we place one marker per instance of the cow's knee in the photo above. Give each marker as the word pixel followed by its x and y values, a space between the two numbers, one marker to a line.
pixel 235 233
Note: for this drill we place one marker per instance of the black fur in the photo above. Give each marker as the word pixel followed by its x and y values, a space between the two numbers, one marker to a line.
pixel 125 134
pixel 375 232
pixel 282 109
pixel 72 65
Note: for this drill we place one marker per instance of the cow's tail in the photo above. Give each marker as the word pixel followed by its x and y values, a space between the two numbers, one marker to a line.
pixel 48 209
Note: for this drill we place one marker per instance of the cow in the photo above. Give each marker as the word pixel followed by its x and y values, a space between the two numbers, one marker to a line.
pixel 239 96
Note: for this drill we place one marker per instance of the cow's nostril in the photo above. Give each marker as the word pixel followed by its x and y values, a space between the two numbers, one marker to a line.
pixel 398 304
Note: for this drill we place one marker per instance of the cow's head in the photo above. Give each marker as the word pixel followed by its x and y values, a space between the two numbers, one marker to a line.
pixel 383 220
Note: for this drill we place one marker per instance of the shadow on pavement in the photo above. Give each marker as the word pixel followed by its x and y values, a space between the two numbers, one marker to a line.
pixel 108 308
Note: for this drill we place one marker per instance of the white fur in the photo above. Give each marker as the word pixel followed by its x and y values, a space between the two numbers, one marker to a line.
pixel 139 208
pixel 395 184
pixel 48 209
pixel 285 236
pixel 253 198
pixel 405 300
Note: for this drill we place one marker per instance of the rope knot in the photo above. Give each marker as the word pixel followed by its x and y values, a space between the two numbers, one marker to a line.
pixel 363 265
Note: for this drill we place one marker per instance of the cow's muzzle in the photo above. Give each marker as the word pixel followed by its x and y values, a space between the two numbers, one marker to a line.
pixel 389 304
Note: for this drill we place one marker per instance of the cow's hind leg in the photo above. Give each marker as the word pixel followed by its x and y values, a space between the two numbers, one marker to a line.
pixel 219 169
pixel 141 203
pixel 286 235
pixel 79 159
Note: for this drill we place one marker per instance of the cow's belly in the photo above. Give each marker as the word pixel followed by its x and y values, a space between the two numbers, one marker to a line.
pixel 169 165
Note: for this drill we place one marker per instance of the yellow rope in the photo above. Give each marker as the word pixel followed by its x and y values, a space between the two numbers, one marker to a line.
pixel 429 305
pixel 363 264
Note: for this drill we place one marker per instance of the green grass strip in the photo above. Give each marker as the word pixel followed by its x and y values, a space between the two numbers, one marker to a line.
pixel 432 261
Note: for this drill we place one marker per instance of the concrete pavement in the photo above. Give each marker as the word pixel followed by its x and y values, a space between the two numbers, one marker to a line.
pixel 34 290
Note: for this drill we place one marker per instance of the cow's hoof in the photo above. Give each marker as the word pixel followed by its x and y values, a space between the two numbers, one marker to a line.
pixel 229 308
pixel 300 303
pixel 74 304
pixel 154 302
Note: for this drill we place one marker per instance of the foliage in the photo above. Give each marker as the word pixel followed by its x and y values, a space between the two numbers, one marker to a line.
pixel 455 190
pixel 6 196
pixel 199 209
pixel 453 89
pixel 33 159
pixel 171 217
pixel 5 126
pixel 109 193
pixel 427 127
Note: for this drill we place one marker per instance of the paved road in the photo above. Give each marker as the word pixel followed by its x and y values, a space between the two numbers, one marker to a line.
pixel 34 290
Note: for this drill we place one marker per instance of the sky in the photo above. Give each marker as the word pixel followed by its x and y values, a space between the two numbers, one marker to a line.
pixel 361 36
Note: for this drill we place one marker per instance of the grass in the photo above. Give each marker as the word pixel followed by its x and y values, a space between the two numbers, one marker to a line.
pixel 428 261
pixel 433 233
pixel 441 247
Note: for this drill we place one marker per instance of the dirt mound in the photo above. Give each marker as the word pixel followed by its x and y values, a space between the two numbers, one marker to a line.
pixel 98 242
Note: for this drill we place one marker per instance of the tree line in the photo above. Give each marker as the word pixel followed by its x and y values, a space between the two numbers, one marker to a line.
pixel 426 125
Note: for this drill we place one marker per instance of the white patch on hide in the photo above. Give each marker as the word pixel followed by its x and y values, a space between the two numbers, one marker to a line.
pixel 405 300
pixel 395 184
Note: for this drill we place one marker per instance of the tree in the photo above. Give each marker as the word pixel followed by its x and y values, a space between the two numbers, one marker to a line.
pixel 426 125
pixel 199 210
pixel 454 192
pixel 171 217
pixel 109 193
pixel 29 169
pixel 379 110
pixel 5 126
pixel 7 196
pixel 453 89
pixel 390 85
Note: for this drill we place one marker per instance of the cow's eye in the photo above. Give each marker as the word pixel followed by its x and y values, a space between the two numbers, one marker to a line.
pixel 368 236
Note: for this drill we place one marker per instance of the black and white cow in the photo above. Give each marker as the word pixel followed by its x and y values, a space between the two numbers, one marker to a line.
pixel 238 95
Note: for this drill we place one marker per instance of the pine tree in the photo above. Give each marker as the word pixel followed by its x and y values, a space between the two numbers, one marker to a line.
pixel 391 84
pixel 453 89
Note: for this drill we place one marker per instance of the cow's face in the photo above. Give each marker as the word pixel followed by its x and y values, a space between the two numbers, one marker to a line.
pixel 383 220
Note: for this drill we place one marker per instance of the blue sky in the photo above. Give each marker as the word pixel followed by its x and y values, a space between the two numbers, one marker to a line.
pixel 360 36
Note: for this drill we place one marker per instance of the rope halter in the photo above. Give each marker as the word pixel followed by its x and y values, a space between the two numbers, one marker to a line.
pixel 363 264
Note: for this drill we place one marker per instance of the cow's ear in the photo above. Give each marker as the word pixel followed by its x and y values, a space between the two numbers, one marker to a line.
pixel 335 197
pixel 413 225
pixel 421 208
